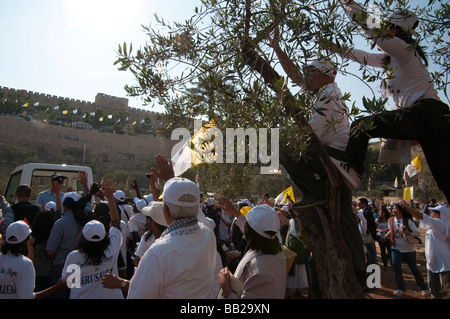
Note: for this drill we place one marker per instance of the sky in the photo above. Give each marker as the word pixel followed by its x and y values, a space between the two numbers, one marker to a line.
pixel 68 47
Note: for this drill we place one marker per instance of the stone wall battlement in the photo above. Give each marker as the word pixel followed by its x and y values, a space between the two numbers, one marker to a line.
pixel 105 102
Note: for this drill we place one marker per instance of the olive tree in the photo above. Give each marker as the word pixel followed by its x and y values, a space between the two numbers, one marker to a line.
pixel 219 64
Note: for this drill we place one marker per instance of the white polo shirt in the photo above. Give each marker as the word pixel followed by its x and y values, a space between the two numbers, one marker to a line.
pixel 437 244
pixel 179 265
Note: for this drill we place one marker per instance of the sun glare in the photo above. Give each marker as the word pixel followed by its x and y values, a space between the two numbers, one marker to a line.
pixel 102 15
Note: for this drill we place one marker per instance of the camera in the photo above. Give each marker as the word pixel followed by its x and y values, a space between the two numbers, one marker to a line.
pixel 147 175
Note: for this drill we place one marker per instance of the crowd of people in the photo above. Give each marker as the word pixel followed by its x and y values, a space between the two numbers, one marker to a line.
pixel 96 246
pixel 175 243
pixel 183 245
pixel 394 228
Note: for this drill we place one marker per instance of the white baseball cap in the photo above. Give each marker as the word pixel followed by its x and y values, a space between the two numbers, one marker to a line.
pixel 404 18
pixel 245 201
pixel 17 232
pixel 176 187
pixel 148 198
pixel 119 195
pixel 444 212
pixel 94 231
pixel 324 66
pixel 263 218
pixel 50 205
pixel 140 204
pixel 70 197
pixel 285 208
pixel 210 201
pixel 156 212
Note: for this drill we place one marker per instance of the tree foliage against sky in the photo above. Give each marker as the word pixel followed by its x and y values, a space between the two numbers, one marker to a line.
pixel 220 65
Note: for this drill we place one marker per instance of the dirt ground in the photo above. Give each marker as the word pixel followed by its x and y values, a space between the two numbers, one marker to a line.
pixel 387 278
pixel 388 282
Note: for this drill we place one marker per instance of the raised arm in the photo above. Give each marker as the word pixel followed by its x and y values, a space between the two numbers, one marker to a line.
pixel 165 170
pixel 414 212
pixel 108 191
pixel 153 188
pixel 227 206
pixel 289 67
pixel 83 180
pixel 134 185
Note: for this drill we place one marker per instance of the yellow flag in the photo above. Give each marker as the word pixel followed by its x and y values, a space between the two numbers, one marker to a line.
pixel 408 193
pixel 290 192
pixel 65 112
pixel 201 144
pixel 417 163
pixel 25 105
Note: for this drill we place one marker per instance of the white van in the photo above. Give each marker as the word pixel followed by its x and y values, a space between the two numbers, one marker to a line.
pixel 38 176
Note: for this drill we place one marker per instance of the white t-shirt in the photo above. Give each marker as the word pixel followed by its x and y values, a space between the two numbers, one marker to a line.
pixel 437 244
pixel 123 247
pixel 137 223
pixel 90 285
pixel 400 243
pixel 125 212
pixel 17 277
pixel 224 230
pixel 179 265
pixel 144 245
pixel 332 126
pixel 362 225
pixel 410 80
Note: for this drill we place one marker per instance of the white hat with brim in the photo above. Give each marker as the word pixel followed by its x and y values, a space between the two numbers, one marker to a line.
pixel 140 204
pixel 444 212
pixel 210 201
pixel 119 195
pixel 263 219
pixel 50 205
pixel 17 232
pixel 176 187
pixel 94 231
pixel 405 19
pixel 285 208
pixel 324 66
pixel 70 197
pixel 156 212
pixel 148 198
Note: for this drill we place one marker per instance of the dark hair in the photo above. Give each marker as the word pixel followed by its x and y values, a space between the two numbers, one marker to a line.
pixel 364 200
pixel 407 37
pixel 15 249
pixel 101 213
pixel 42 225
pixel 259 243
pixel 406 215
pixel 384 209
pixel 95 251
pixel 23 191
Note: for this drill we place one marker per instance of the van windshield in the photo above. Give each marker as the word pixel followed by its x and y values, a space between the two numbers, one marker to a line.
pixel 41 179
pixel 12 186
